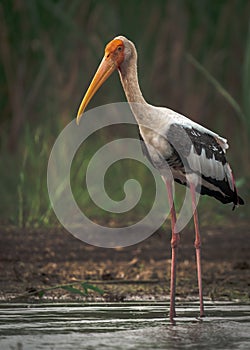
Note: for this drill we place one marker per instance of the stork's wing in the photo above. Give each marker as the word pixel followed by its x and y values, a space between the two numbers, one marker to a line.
pixel 199 151
pixel 203 153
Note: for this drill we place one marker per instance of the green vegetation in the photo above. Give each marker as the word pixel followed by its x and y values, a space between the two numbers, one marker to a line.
pixel 49 52
pixel 80 287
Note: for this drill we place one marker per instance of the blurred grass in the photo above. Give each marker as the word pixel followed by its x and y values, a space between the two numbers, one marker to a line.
pixel 114 179
pixel 49 52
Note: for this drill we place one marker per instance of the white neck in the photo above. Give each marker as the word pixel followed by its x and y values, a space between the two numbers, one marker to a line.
pixel 129 80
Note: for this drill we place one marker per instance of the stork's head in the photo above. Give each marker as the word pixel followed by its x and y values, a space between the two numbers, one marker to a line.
pixel 117 52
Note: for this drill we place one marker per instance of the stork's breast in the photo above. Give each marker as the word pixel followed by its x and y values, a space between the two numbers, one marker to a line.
pixel 158 142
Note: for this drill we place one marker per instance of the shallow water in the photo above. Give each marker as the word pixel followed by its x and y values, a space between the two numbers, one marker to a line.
pixel 123 326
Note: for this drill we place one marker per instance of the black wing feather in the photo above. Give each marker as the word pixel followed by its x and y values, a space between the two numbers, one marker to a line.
pixel 181 140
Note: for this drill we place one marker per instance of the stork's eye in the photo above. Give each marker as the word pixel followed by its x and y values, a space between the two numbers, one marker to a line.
pixel 119 48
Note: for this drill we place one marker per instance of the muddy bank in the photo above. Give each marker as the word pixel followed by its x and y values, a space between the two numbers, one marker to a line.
pixel 31 260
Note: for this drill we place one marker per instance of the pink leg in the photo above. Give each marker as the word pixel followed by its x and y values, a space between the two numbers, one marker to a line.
pixel 174 243
pixel 197 244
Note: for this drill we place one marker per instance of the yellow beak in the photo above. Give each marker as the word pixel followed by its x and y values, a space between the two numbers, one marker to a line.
pixel 105 69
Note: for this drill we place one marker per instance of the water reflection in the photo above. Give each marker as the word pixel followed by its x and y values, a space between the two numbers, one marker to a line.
pixel 123 326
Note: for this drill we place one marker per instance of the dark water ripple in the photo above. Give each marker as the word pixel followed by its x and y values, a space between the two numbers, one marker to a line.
pixel 123 326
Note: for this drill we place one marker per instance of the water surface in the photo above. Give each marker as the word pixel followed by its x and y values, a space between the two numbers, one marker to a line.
pixel 123 326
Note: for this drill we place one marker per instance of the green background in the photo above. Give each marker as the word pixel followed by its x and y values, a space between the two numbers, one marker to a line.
pixel 194 57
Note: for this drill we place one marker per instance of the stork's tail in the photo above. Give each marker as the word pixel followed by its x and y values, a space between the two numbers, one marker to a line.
pixel 237 199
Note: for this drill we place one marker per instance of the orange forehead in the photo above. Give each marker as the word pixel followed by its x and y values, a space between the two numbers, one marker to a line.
pixel 112 45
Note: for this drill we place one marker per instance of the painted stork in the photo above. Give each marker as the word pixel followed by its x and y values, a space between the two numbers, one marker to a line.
pixel 195 155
